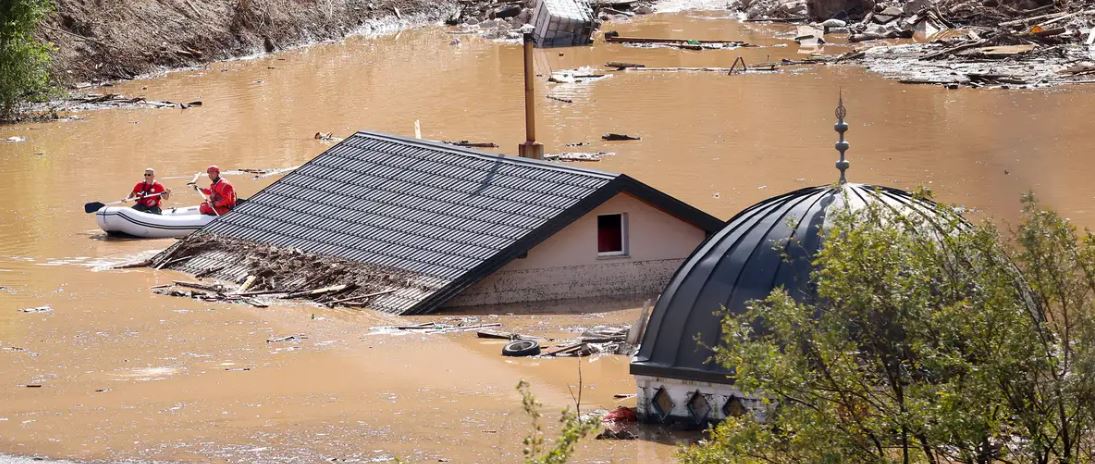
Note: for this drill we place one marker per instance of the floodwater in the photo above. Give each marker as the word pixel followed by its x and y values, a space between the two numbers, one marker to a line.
pixel 128 375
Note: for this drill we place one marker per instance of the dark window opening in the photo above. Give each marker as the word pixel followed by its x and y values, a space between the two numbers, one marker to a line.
pixel 611 234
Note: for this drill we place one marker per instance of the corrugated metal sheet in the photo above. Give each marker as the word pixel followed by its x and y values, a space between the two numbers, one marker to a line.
pixel 444 215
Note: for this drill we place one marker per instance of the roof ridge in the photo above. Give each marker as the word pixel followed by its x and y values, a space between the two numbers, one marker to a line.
pixel 456 150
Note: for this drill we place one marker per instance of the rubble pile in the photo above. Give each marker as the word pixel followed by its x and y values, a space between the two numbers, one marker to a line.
pixel 250 273
pixel 987 43
pixel 977 43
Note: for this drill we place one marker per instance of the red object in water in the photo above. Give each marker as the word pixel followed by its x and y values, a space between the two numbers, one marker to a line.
pixel 621 414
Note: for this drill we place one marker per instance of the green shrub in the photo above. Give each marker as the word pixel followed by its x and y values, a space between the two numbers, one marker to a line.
pixel 24 60
pixel 574 430
pixel 926 345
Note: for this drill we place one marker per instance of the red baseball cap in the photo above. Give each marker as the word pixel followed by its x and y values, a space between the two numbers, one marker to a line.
pixel 213 168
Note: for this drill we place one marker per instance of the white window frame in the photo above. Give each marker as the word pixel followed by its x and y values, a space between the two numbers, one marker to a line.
pixel 624 236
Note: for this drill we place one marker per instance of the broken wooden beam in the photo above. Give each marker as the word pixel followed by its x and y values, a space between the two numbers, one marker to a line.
pixel 145 263
pixel 955 49
pixel 498 335
pixel 200 286
pixel 320 291
pixel 246 284
pixel 359 297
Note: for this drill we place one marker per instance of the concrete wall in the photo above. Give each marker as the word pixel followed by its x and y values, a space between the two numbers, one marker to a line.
pixel 682 392
pixel 567 264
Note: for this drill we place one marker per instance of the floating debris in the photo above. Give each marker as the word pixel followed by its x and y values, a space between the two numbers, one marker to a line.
pixel 463 324
pixel 687 44
pixel 961 42
pixel 596 340
pixel 112 100
pixel 469 144
pixel 577 156
pixel 612 136
pixel 583 75
pixel 326 137
pixel 266 172
pixel 39 309
pixel 520 348
pixel 619 66
pixel 288 338
pixel 16 139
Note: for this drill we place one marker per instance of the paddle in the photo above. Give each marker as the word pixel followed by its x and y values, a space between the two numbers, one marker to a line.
pixel 96 206
pixel 194 183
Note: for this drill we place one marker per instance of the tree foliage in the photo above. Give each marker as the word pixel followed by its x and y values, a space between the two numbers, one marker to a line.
pixel 931 340
pixel 24 60
pixel 574 428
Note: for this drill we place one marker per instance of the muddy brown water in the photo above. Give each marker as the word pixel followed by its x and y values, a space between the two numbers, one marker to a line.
pixel 130 375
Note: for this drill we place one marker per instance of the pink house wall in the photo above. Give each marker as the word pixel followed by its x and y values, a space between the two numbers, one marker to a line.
pixel 567 265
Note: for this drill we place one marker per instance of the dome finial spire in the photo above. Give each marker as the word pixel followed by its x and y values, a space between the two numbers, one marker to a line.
pixel 841 145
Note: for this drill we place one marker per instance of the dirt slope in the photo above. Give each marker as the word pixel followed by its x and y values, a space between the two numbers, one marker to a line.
pixel 118 39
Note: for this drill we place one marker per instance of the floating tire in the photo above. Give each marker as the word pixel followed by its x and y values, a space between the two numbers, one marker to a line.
pixel 521 348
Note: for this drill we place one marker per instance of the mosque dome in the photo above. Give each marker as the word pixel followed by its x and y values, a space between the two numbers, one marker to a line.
pixel 768 245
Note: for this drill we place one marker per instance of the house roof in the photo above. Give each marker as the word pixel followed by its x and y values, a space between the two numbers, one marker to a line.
pixel 445 216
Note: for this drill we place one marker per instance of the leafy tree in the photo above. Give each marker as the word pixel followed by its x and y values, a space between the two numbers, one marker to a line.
pixel 930 341
pixel 574 429
pixel 24 60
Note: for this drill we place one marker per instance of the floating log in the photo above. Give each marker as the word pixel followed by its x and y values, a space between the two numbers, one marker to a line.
pixel 615 37
pixel 145 263
pixel 200 286
pixel 465 143
pixel 621 66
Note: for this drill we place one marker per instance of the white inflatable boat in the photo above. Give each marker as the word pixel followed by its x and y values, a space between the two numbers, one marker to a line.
pixel 173 223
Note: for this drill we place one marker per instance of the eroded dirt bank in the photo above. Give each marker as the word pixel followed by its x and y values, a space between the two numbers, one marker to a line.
pixel 119 39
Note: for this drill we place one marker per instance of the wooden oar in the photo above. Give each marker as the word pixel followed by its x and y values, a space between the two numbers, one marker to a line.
pixel 205 198
pixel 96 206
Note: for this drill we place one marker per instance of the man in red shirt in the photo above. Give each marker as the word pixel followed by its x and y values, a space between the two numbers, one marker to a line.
pixel 220 196
pixel 143 192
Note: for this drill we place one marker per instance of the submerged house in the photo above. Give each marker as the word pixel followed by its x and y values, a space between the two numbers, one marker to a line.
pixel 462 228
pixel 768 245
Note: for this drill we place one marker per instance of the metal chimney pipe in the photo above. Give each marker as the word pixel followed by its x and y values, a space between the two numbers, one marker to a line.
pixel 530 149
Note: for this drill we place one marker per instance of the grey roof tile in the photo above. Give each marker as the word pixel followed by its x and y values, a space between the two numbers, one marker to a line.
pixel 446 215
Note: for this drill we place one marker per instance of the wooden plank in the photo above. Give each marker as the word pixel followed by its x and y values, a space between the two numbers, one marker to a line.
pixel 200 286
pixel 319 291
pixel 360 297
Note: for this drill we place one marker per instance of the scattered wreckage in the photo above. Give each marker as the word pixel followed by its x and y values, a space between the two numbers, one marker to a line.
pixel 976 43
